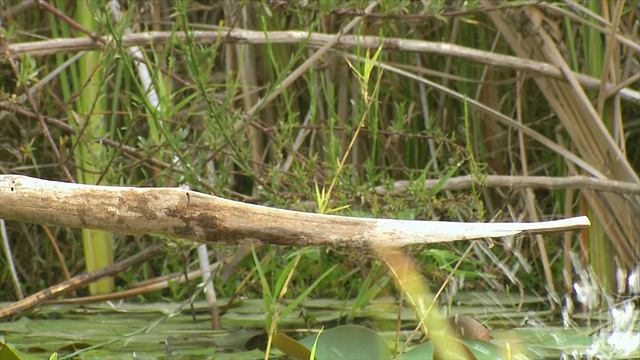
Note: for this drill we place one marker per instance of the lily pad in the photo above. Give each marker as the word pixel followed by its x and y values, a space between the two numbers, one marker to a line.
pixel 348 342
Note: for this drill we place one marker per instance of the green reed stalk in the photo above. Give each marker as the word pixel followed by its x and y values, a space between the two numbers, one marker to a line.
pixel 98 245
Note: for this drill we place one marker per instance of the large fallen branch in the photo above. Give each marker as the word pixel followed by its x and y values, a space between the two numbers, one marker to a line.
pixel 208 219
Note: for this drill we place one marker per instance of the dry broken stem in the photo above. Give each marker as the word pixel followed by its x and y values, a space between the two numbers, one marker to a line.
pixel 209 219
pixel 242 36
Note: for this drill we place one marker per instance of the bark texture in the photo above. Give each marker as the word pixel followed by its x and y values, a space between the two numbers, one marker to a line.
pixel 209 219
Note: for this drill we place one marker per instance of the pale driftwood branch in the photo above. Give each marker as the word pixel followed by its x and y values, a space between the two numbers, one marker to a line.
pixel 56 46
pixel 208 219
pixel 519 182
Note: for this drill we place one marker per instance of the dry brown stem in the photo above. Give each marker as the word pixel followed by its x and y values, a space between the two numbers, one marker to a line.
pixel 56 46
pixel 520 182
pixel 527 34
pixel 80 281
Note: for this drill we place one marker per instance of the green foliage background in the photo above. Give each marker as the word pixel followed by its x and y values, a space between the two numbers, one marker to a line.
pixel 224 124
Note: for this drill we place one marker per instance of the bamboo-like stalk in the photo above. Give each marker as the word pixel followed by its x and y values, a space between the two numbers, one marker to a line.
pixel 97 245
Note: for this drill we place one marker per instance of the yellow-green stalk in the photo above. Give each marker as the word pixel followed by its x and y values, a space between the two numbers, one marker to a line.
pixel 601 248
pixel 98 245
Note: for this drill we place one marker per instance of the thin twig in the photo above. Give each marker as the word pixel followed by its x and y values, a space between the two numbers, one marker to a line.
pixel 80 281
pixel 496 114
pixel 56 46
pixel 9 256
pixel 520 182
pixel 39 116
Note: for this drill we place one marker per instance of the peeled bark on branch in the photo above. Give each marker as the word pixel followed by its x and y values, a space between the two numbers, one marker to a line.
pixel 209 219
